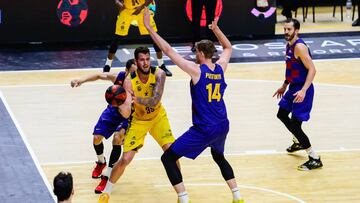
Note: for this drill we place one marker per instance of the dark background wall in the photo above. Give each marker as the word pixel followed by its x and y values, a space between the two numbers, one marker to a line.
pixel 24 21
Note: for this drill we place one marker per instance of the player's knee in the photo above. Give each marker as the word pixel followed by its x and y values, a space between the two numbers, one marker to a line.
pixel 117 139
pixel 124 161
pixel 97 139
pixel 169 157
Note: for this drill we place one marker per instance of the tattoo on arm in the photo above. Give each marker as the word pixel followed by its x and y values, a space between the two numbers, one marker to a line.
pixel 157 92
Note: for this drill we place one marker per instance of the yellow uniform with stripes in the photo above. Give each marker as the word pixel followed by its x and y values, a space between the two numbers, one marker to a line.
pixel 147 119
pixel 126 17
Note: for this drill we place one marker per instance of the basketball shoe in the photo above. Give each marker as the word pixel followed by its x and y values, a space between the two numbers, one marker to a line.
pixel 104 198
pixel 101 185
pixel 106 68
pixel 238 201
pixel 98 169
pixel 310 164
pixel 167 72
pixel 294 147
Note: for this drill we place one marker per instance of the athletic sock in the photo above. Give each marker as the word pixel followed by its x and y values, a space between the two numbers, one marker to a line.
pixel 183 197
pixel 108 171
pixel 311 152
pixel 108 62
pixel 101 158
pixel 236 194
pixel 108 187
pixel 160 61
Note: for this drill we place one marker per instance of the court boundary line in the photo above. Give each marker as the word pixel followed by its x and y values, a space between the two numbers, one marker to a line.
pixel 27 145
pixel 241 186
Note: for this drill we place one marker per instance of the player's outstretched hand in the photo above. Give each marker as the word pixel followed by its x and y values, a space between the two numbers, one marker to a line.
pixel 75 83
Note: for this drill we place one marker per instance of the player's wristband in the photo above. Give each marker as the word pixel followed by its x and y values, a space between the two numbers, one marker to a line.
pixel 286 82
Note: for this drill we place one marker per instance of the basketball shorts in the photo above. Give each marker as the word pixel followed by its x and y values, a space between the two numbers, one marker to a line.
pixel 300 111
pixel 125 18
pixel 109 122
pixel 159 129
pixel 198 138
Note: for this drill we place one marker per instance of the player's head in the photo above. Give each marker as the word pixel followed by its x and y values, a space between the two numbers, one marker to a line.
pixel 142 59
pixel 63 186
pixel 115 95
pixel 291 29
pixel 130 66
pixel 206 48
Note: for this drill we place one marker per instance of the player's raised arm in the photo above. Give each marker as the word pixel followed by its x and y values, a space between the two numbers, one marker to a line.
pixel 189 67
pixel 225 43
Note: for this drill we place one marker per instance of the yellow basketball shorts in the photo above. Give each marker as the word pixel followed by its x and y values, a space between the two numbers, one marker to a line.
pixel 125 18
pixel 159 129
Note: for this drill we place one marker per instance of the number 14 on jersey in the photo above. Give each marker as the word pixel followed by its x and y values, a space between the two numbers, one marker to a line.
pixel 213 93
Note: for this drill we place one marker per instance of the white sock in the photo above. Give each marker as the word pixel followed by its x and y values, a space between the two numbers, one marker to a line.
pixel 236 193
pixel 108 61
pixel 108 187
pixel 160 61
pixel 101 158
pixel 312 153
pixel 183 197
pixel 108 171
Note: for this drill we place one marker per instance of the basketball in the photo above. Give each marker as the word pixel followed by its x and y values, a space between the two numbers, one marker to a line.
pixel 115 95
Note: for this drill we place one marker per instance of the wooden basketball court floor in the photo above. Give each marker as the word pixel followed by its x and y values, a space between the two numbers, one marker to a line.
pixel 57 122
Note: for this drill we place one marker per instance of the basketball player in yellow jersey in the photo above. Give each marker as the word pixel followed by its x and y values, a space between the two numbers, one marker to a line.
pixel 147 84
pixel 129 11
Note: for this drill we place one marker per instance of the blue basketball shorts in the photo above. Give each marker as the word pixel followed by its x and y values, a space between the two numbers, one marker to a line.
pixel 300 111
pixel 198 138
pixel 109 122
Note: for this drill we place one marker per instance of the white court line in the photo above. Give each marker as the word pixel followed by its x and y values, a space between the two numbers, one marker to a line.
pixel 245 153
pixel 182 80
pixel 100 68
pixel 242 186
pixel 32 154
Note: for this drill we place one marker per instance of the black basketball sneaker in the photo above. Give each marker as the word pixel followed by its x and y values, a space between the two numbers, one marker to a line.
pixel 294 147
pixel 310 164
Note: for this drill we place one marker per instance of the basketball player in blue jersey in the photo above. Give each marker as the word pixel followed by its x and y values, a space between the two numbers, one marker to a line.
pixel 210 122
pixel 113 120
pixel 300 72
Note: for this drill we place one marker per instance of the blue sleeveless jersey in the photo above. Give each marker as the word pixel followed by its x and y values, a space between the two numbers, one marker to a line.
pixel 296 72
pixel 120 78
pixel 208 106
pixel 110 119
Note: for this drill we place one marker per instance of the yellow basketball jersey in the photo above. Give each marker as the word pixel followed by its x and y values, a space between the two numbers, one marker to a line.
pixel 143 112
pixel 132 4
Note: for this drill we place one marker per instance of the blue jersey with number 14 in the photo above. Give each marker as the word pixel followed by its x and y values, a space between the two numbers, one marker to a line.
pixel 208 106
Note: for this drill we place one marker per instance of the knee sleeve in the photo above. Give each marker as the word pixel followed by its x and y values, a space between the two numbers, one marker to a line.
pixel 283 114
pixel 225 168
pixel 157 49
pixel 114 43
pixel 169 159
